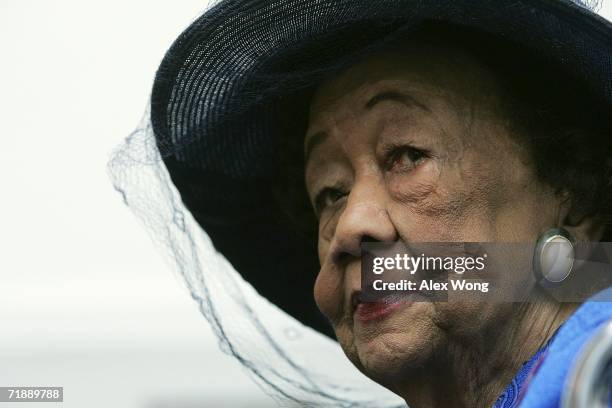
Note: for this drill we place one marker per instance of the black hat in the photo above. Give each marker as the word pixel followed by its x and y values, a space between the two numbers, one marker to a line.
pixel 235 85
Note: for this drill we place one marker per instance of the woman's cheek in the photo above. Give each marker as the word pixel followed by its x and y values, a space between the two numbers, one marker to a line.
pixel 423 207
pixel 417 187
pixel 327 229
pixel 328 293
pixel 322 248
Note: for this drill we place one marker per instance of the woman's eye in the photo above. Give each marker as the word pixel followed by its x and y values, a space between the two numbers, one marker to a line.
pixel 405 158
pixel 327 197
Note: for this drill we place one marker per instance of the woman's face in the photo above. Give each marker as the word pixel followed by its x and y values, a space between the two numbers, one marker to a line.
pixel 413 145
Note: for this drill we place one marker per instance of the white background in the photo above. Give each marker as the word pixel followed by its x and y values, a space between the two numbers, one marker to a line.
pixel 86 301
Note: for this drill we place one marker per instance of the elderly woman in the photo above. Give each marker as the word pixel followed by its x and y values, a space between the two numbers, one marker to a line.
pixel 295 131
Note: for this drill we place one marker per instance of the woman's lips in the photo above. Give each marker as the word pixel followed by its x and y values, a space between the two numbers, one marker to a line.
pixel 366 312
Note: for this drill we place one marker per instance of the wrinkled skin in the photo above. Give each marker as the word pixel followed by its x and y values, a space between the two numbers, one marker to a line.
pixel 413 144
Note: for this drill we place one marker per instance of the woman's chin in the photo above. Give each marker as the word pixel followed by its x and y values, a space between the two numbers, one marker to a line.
pixel 392 355
pixel 390 350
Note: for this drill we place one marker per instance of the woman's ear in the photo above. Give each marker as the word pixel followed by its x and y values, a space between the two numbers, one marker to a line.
pixel 584 226
pixel 587 230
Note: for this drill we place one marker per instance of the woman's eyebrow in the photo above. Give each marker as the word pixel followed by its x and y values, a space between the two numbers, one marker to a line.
pixel 396 96
pixel 313 141
pixel 406 99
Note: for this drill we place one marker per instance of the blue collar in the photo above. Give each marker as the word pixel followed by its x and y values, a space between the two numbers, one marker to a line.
pixel 540 381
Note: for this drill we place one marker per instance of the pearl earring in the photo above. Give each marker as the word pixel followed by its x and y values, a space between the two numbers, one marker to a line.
pixel 554 255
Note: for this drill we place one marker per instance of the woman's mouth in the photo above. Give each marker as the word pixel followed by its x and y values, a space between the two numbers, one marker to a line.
pixel 367 312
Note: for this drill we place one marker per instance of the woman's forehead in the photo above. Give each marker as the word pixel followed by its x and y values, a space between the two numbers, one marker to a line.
pixel 412 69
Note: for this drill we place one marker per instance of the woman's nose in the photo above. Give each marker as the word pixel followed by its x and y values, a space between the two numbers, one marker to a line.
pixel 364 218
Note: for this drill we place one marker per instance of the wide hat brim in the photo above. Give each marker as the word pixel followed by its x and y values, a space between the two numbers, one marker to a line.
pixel 224 96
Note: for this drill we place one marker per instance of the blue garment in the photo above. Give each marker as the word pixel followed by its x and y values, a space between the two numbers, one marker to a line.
pixel 510 396
pixel 548 369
